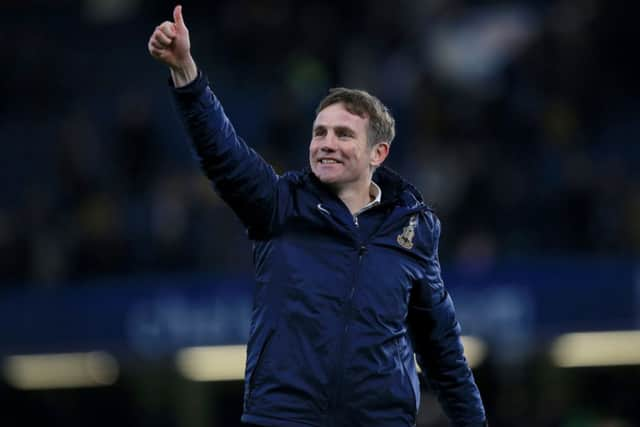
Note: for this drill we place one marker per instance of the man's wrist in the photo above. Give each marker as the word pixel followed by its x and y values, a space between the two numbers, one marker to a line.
pixel 184 74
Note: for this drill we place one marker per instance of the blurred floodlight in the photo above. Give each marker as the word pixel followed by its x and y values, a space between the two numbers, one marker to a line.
pixel 472 49
pixel 216 363
pixel 223 363
pixel 63 370
pixel 586 349
pixel 475 350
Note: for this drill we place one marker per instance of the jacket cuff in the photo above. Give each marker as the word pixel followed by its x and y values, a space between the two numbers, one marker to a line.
pixel 192 90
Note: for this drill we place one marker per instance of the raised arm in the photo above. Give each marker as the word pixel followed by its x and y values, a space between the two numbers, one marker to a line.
pixel 436 336
pixel 241 177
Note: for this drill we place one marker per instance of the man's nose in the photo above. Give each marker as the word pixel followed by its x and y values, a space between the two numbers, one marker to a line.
pixel 329 143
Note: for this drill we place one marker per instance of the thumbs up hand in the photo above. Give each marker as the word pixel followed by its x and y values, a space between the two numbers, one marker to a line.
pixel 170 45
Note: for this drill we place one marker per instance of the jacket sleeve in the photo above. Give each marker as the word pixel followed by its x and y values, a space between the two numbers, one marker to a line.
pixel 435 333
pixel 242 178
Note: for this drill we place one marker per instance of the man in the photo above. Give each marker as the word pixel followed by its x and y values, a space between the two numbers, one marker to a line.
pixel 347 270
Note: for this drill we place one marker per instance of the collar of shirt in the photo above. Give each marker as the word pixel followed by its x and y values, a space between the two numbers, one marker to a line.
pixel 376 195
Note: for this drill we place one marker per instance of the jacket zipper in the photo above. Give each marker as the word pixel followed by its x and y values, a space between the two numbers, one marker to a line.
pixel 339 370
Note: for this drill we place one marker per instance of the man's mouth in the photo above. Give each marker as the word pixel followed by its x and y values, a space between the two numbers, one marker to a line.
pixel 328 161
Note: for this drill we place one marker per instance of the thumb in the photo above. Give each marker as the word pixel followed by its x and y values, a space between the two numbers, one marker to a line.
pixel 177 16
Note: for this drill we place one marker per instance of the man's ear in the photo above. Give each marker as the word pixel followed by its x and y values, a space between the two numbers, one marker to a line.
pixel 379 153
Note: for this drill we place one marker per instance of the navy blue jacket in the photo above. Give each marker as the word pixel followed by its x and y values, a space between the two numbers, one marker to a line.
pixel 339 307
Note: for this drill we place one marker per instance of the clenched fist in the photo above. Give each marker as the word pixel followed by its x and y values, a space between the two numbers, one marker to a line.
pixel 170 45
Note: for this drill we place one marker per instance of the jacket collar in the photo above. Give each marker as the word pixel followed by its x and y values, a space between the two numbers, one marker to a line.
pixel 395 188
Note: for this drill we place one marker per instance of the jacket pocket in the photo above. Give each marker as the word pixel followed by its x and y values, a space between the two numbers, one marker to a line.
pixel 409 375
pixel 252 381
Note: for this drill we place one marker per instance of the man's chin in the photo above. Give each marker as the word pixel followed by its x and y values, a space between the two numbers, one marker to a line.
pixel 321 175
pixel 326 178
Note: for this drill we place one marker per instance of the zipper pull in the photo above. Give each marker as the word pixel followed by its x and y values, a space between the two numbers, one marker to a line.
pixel 361 251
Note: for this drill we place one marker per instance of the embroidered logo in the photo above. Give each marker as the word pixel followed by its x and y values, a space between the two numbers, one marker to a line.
pixel 405 239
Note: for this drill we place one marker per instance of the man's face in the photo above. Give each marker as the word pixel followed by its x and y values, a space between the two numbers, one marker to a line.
pixel 339 152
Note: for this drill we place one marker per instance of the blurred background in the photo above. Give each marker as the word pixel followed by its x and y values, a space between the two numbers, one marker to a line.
pixel 125 283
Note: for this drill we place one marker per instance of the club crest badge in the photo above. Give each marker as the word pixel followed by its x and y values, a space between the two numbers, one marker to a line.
pixel 405 239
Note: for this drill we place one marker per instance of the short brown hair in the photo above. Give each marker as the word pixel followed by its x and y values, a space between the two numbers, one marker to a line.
pixel 363 104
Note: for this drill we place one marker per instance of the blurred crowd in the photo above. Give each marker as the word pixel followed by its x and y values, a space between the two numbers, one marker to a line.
pixel 518 122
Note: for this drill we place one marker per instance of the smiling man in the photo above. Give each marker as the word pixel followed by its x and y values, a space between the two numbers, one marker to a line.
pixel 348 284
